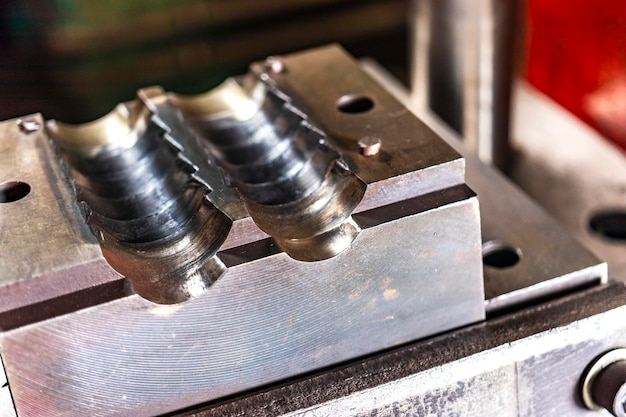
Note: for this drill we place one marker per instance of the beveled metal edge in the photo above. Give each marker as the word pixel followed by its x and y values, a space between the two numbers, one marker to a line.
pixel 593 275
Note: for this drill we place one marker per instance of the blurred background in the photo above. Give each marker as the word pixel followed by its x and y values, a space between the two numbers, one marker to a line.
pixel 73 60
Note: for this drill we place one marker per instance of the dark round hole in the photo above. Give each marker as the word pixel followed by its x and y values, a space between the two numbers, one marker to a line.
pixel 610 224
pixel 500 255
pixel 13 190
pixel 354 104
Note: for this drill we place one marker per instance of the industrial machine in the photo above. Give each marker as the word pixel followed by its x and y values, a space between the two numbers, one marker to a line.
pixel 293 242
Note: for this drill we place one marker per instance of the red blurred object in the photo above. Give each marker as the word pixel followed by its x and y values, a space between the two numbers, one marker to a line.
pixel 577 56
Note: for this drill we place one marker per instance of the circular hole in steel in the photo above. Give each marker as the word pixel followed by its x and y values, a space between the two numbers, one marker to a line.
pixel 11 191
pixel 609 223
pixel 354 104
pixel 500 255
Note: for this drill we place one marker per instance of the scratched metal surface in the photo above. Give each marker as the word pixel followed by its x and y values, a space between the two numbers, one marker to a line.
pixel 265 320
pixel 535 376
pixel 527 363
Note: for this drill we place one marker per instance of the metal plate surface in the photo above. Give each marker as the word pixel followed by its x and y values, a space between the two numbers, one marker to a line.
pixel 523 364
pixel 552 262
pixel 571 170
pixel 46 247
pixel 412 160
pixel 537 376
pixel 265 320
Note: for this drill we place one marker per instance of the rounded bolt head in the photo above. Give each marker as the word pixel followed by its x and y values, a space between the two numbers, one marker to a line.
pixel 369 145
pixel 604 383
pixel 274 65
pixel 28 126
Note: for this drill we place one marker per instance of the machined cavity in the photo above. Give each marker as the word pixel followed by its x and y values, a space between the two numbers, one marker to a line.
pixel 291 179
pixel 141 198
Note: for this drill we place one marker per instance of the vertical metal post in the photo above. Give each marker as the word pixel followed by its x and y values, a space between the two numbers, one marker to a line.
pixel 463 64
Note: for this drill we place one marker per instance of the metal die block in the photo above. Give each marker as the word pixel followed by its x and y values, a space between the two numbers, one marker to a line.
pixel 413 271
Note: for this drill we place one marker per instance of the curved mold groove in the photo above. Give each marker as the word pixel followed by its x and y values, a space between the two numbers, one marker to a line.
pixel 141 198
pixel 292 181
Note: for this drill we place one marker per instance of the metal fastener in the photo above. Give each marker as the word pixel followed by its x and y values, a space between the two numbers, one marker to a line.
pixel 369 145
pixel 604 384
pixel 274 65
pixel 28 126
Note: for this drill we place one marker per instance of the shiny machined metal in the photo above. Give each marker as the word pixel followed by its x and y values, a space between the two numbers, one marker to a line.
pixel 515 227
pixel 284 317
pixel 414 271
pixel 291 179
pixel 140 197
pixel 525 364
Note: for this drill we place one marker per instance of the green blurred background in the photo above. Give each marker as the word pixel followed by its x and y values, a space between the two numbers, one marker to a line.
pixel 73 60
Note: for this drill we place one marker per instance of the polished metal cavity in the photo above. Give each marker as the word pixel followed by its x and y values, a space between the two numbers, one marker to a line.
pixel 141 200
pixel 291 179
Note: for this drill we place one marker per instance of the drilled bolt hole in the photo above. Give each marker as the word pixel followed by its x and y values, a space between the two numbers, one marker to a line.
pixel 500 255
pixel 354 104
pixel 610 224
pixel 13 190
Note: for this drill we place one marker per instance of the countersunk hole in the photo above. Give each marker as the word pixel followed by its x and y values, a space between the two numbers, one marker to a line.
pixel 11 191
pixel 500 255
pixel 609 223
pixel 355 104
